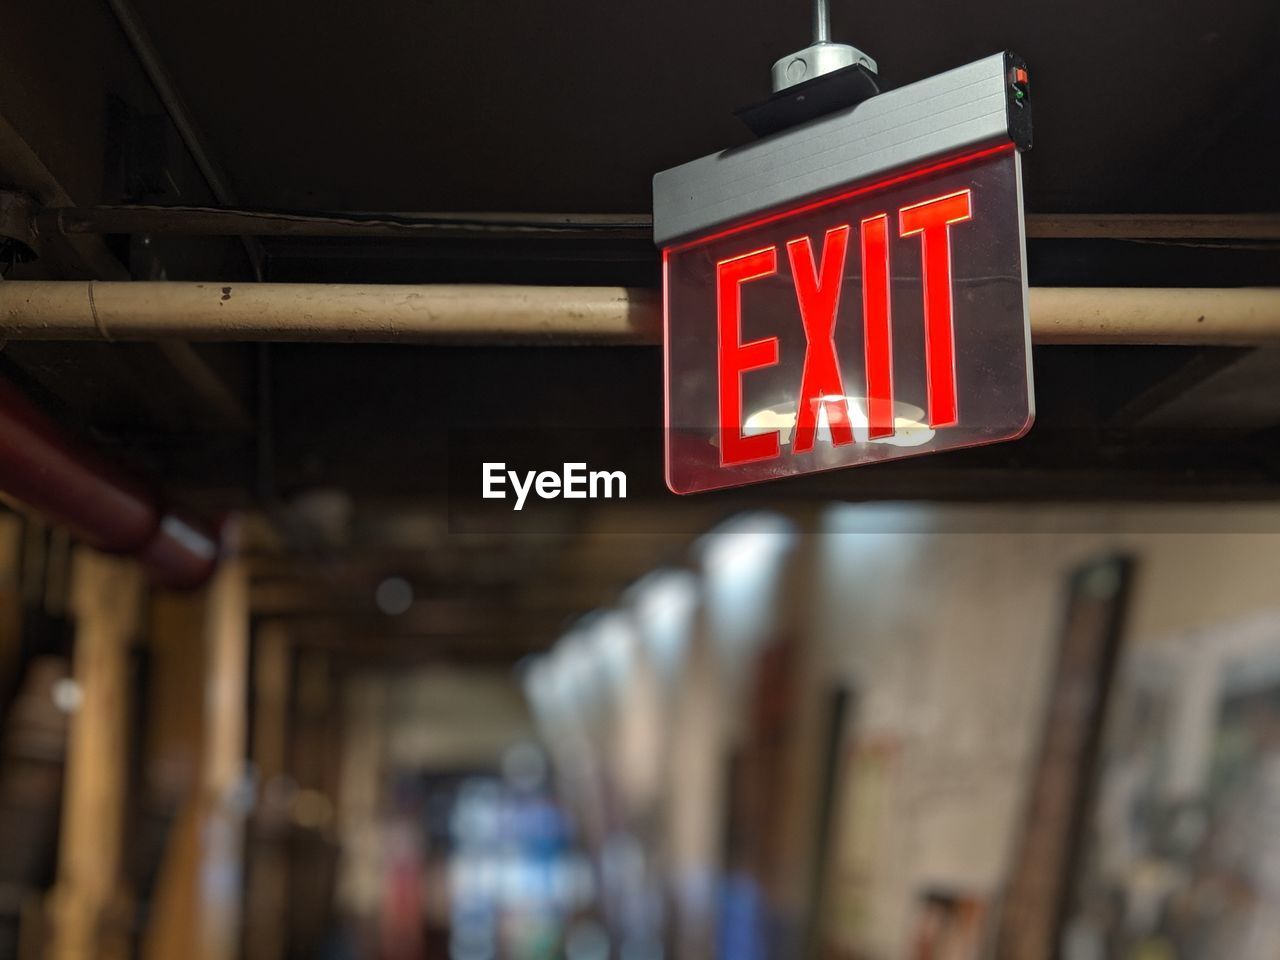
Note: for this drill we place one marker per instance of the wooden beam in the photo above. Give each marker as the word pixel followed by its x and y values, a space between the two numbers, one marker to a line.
pixel 1153 226
pixel 88 904
pixel 219 222
pixel 266 906
pixel 197 911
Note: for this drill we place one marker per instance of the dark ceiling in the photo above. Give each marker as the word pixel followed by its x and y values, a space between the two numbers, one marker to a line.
pixel 573 105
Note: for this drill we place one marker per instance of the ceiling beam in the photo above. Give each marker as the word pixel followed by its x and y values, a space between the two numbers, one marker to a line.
pixel 226 221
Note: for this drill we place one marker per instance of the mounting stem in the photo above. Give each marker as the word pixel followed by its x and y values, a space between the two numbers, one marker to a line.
pixel 821 21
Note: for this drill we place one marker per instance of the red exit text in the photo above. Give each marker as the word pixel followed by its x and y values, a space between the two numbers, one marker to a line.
pixel 818 283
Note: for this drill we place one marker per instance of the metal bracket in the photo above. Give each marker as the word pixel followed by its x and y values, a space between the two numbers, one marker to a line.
pixel 819 58
pixel 815 61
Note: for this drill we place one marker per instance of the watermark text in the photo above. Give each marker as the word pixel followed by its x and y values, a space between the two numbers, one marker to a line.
pixel 573 482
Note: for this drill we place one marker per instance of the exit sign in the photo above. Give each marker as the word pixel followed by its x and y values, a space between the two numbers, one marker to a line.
pixel 852 291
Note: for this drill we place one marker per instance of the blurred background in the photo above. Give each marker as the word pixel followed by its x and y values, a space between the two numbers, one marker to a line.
pixel 887 730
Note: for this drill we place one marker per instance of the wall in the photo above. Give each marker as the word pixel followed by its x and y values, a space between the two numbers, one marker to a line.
pixel 946 621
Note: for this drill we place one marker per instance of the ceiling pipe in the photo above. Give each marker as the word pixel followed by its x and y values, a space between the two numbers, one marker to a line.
pixel 76 310
pixel 197 221
pixel 384 313
pixel 45 470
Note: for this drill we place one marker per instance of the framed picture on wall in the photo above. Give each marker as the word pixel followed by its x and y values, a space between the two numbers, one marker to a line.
pixel 1182 846
pixel 1064 771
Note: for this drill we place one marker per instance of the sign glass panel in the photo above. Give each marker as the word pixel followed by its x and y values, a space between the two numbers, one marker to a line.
pixel 887 321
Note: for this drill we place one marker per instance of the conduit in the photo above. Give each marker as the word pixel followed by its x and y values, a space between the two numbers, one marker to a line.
pixel 60 310
pixel 1242 316
pixel 77 310
pixel 227 220
pixel 45 470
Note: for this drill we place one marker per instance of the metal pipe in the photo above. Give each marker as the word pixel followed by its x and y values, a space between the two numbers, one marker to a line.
pixel 183 553
pixel 75 310
pixel 821 22
pixel 44 469
pixel 1239 316
pixel 65 310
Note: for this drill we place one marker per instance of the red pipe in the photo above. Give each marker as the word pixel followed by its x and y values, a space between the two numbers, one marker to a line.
pixel 183 553
pixel 45 469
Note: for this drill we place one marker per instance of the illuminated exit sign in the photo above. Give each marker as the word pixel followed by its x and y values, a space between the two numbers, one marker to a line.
pixel 850 291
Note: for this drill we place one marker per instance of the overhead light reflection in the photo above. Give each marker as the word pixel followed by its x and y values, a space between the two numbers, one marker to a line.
pixel 910 430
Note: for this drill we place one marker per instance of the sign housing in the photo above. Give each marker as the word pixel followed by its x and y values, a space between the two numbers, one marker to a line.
pixel 851 291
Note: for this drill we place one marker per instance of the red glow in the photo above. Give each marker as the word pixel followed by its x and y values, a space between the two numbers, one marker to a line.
pixel 819 299
pixel 666 363
pixel 908 175
pixel 932 219
pixel 877 326
pixel 736 357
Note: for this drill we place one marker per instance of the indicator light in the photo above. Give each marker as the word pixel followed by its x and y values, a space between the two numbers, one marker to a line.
pixel 1019 81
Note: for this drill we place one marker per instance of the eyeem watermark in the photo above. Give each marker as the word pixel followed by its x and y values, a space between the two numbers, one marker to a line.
pixel 573 482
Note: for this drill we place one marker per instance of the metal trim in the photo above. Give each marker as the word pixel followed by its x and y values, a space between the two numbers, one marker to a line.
pixel 954 111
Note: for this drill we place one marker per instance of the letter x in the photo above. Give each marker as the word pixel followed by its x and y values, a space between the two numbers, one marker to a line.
pixel 818 293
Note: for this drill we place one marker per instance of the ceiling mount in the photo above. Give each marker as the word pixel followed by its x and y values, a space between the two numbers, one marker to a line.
pixel 820 79
pixel 819 58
